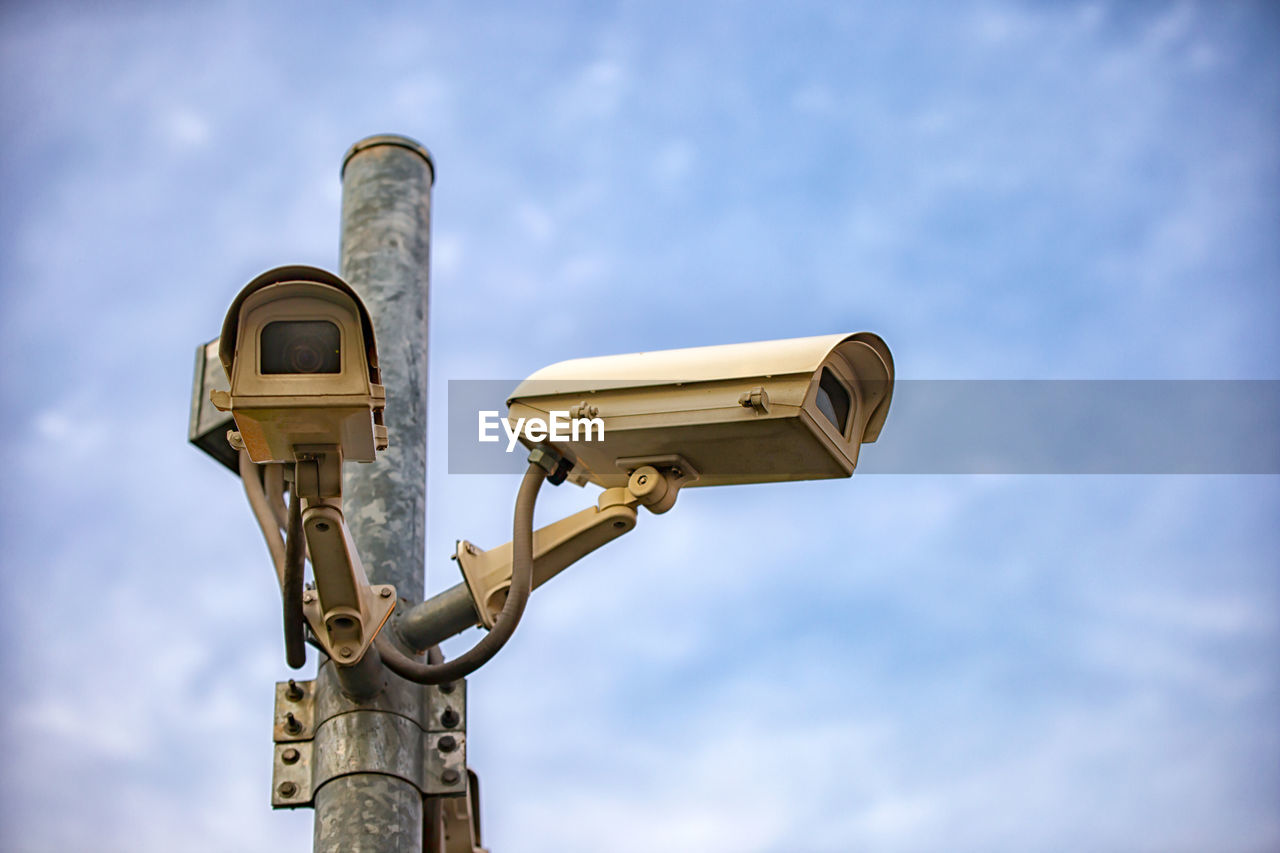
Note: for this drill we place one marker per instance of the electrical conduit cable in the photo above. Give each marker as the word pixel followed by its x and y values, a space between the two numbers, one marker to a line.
pixel 273 485
pixel 505 625
pixel 295 649
pixel 258 502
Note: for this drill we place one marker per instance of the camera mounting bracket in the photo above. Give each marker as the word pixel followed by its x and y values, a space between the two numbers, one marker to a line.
pixel 344 611
pixel 555 547
pixel 653 483
pixel 655 480
pixel 318 471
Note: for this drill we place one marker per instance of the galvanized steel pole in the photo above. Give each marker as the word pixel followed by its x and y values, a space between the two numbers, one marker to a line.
pixel 386 221
pixel 386 215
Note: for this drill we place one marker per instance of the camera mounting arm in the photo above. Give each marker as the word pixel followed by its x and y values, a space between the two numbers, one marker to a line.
pixel 555 547
pixel 561 544
pixel 344 611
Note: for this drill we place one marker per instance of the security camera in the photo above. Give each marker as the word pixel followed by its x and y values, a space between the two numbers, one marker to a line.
pixel 298 348
pixel 299 352
pixel 645 425
pixel 795 409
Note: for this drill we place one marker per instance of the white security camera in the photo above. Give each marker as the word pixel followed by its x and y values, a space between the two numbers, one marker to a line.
pixel 795 409
pixel 299 350
pixel 643 426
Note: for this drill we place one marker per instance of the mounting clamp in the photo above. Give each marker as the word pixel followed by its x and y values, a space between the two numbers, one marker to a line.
pixel 320 740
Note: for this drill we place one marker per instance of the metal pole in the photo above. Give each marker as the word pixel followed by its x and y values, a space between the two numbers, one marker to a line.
pixel 386 215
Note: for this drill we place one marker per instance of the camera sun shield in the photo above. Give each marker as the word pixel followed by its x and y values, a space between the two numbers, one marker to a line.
pixel 298 348
pixel 771 411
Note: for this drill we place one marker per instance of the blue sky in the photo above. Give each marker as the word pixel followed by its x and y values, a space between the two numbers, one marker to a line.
pixel 899 663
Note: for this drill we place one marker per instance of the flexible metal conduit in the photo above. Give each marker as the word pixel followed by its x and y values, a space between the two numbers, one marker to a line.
pixel 259 503
pixel 295 649
pixel 287 555
pixel 505 625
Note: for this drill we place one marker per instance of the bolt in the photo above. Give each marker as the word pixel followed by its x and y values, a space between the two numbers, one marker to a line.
pixel 450 777
pixel 293 691
pixel 447 687
pixel 447 743
pixel 291 724
pixel 642 479
pixel 290 756
pixel 386 592
pixel 308 597
pixel 346 652
pixel 450 718
pixel 287 789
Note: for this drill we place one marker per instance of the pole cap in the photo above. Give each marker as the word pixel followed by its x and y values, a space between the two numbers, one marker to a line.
pixel 389 139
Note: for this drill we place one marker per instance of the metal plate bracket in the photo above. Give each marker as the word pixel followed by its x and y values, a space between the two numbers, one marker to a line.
pixel 427 749
pixel 291 775
pixel 295 716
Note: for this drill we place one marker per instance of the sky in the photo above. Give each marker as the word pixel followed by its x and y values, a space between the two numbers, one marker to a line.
pixel 1001 190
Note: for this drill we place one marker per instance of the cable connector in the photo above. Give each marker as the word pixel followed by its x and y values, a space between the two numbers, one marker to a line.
pixel 556 466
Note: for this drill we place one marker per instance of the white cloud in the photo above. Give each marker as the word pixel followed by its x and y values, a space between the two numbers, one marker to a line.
pixel 186 128
pixel 62 720
pixel 447 253
pixel 1171 27
pixel 536 222
pixel 70 433
pixel 582 270
pixel 596 92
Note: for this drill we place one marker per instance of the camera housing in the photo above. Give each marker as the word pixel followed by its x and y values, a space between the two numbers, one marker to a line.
pixel 298 348
pixel 794 409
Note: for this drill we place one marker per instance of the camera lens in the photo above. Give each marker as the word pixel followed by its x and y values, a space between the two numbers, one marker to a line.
pixel 301 346
pixel 833 400
pixel 304 357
